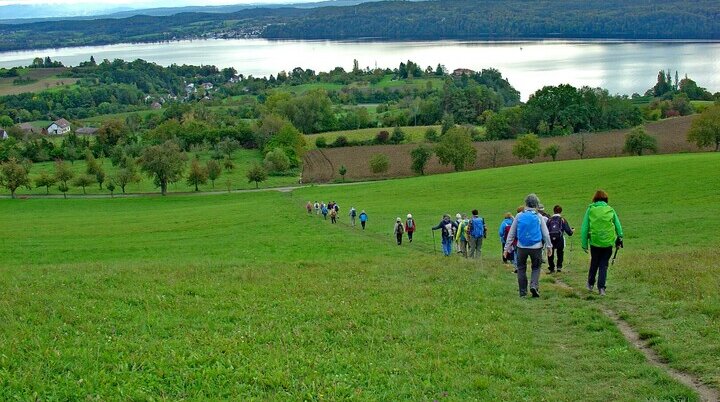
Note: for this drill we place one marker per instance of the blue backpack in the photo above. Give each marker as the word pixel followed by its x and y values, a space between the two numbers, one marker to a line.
pixel 477 227
pixel 528 229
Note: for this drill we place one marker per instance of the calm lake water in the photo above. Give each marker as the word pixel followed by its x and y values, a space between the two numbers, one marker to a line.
pixel 621 67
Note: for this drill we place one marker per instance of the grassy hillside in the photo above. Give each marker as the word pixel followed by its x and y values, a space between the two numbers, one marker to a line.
pixel 244 296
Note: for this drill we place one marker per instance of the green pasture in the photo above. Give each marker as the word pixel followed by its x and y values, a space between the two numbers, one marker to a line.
pixel 245 296
pixel 413 134
pixel 96 121
pixel 243 158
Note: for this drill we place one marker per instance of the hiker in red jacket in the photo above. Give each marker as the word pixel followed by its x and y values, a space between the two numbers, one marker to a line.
pixel 410 227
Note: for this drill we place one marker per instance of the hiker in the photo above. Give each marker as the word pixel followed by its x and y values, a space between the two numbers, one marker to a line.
pixel 410 227
pixel 353 214
pixel 458 219
pixel 336 207
pixel 317 208
pixel 461 237
pixel 557 227
pixel 503 231
pixel 601 230
pixel 309 207
pixel 532 236
pixel 333 216
pixel 363 219
pixel 545 217
pixel 398 230
pixel 324 211
pixel 448 228
pixel 477 231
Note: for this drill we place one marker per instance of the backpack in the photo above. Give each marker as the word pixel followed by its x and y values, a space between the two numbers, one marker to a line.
pixel 528 228
pixel 506 232
pixel 555 226
pixel 410 223
pixel 353 213
pixel 399 228
pixel 477 227
pixel 448 230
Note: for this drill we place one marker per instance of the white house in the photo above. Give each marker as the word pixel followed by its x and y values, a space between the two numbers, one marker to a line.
pixel 207 85
pixel 59 127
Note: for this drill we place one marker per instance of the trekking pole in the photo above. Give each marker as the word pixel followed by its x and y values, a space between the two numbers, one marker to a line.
pixel 618 246
pixel 434 246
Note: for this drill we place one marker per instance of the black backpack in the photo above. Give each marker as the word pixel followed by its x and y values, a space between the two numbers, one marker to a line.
pixel 555 226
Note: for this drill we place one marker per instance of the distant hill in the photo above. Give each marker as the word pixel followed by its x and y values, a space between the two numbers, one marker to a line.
pixel 392 20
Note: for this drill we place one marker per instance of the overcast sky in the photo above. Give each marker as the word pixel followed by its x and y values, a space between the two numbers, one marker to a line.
pixel 145 3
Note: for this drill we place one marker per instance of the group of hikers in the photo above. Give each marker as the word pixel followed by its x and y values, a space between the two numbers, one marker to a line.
pixel 530 234
pixel 332 209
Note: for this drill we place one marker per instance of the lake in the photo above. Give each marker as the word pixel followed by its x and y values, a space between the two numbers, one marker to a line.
pixel 619 66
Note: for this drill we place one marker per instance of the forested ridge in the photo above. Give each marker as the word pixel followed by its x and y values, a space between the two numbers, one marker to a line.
pixel 395 20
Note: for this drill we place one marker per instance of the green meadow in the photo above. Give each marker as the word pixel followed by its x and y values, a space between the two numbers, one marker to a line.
pixel 246 297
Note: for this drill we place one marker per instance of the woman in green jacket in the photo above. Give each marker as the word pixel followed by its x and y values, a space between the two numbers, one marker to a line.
pixel 601 230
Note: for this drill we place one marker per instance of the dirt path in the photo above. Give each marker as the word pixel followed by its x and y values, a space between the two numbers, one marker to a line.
pixel 707 394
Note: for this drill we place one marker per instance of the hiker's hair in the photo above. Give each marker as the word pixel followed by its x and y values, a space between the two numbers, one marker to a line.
pixel 508 215
pixel 600 195
pixel 520 208
pixel 557 209
pixel 532 201
pixel 475 212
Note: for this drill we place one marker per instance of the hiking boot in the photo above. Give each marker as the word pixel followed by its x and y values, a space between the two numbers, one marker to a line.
pixel 601 291
pixel 559 269
pixel 589 287
pixel 515 271
pixel 551 271
pixel 535 292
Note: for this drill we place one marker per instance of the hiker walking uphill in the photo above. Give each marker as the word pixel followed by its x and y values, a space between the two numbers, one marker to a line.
pixel 557 227
pixel 448 229
pixel 363 219
pixel 503 231
pixel 333 216
pixel 398 230
pixel 316 206
pixel 324 211
pixel 309 208
pixel 477 231
pixel 352 214
pixel 410 227
pixel 462 236
pixel 532 236
pixel 601 230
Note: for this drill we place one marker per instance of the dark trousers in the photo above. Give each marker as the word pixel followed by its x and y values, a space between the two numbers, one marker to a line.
pixel 399 237
pixel 558 244
pixel 333 219
pixel 410 236
pixel 599 259
pixel 535 255
pixel 362 223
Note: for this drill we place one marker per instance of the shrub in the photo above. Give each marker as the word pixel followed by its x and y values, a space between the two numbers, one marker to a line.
pixel 321 142
pixel 340 141
pixel 379 163
pixel 638 140
pixel 382 137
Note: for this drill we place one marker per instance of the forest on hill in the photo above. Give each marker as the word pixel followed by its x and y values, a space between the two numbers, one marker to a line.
pixel 394 20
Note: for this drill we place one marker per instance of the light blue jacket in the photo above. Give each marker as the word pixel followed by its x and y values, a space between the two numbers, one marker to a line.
pixel 505 223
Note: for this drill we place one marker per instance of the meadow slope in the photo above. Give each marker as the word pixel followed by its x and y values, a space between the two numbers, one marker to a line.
pixel 243 296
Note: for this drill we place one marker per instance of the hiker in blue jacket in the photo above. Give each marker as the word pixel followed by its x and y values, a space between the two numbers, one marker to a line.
pixel 477 231
pixel 532 236
pixel 324 211
pixel 448 228
pixel 363 219
pixel 502 232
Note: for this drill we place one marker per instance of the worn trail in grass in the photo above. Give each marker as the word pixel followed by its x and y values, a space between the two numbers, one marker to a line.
pixel 242 296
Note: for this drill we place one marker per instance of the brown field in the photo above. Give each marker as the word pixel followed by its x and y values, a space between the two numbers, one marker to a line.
pixel 47 79
pixel 322 165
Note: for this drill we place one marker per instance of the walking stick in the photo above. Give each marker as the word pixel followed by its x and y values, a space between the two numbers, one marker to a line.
pixel 434 246
pixel 618 246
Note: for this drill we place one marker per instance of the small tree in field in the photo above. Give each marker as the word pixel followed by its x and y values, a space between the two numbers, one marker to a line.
pixel 14 175
pixel 83 181
pixel 45 180
pixel 197 174
pixel 213 170
pixel 164 163
pixel 638 141
pixel 277 161
pixel 257 174
pixel 552 151
pixel 398 136
pixel 420 157
pixel 527 147
pixel 63 187
pixel 228 164
pixel 705 129
pixel 579 144
pixel 343 172
pixel 111 188
pixel 494 151
pixel 379 163
pixel 456 148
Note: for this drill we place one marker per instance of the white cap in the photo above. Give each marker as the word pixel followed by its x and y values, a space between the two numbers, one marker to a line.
pixel 409 216
pixel 458 216
pixel 398 219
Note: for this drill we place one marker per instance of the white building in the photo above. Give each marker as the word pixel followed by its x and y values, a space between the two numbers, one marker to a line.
pixel 59 127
